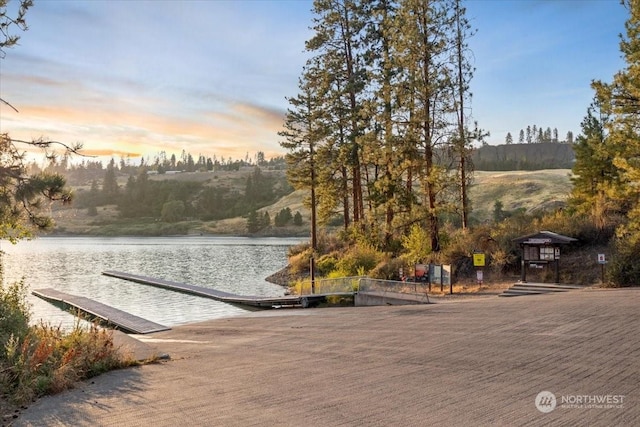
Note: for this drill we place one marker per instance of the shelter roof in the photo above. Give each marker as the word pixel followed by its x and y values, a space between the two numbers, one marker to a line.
pixel 544 238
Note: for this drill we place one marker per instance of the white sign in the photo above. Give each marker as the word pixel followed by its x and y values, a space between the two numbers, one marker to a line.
pixel 601 259
pixel 533 241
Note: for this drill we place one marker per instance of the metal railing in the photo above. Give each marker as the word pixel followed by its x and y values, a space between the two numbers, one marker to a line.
pixel 361 284
pixel 329 286
pixel 368 284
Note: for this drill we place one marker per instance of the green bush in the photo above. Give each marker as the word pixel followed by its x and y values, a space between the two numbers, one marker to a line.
pixel 358 259
pixel 325 264
pixel 14 314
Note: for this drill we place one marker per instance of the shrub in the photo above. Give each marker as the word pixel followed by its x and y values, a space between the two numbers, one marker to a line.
pixel 299 262
pixel 326 264
pixel 389 269
pixel 358 260
pixel 49 359
pixel 416 244
pixel 42 359
pixel 624 269
pixel 14 314
pixel 172 211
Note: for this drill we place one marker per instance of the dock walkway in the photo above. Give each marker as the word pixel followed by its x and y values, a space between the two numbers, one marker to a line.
pixel 120 319
pixel 246 300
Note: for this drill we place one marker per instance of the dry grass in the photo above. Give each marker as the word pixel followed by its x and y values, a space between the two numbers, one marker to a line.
pixel 529 190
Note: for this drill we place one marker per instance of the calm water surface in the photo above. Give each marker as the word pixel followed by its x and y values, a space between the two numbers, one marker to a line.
pixel 74 265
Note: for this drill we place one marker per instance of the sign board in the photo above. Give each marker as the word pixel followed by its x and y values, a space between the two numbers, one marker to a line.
pixel 421 272
pixel 446 274
pixel 601 259
pixel 556 253
pixel 435 273
pixel 479 276
pixel 534 241
pixel 478 260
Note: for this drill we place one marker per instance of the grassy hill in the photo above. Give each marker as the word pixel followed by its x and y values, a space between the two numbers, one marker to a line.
pixel 528 190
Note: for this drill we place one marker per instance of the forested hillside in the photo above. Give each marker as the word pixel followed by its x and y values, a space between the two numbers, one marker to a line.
pixel 510 157
pixel 492 195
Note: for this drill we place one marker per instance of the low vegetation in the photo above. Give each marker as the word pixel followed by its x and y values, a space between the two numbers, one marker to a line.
pixel 353 254
pixel 41 359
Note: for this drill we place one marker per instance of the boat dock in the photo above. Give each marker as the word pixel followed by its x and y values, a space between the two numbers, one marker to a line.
pixel 303 301
pixel 112 316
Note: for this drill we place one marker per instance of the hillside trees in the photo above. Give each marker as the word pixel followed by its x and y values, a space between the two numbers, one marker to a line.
pixel 388 85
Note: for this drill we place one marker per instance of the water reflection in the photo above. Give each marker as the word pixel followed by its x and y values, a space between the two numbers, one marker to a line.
pixel 74 265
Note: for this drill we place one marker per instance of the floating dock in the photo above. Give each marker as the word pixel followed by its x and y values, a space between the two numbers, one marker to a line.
pixel 112 316
pixel 242 300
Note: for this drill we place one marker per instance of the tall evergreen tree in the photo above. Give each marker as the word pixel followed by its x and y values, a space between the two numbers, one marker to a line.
pixel 463 73
pixel 339 31
pixel 305 128
pixel 594 173
pixel 425 45
pixel 620 99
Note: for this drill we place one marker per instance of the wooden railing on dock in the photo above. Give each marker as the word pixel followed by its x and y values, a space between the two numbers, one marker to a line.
pixel 119 319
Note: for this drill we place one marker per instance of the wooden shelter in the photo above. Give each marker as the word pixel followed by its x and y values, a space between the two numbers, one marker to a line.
pixel 542 248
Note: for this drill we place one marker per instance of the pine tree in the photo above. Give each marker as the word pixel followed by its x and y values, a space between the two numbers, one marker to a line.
pixel 508 139
pixel 110 183
pixel 305 128
pixel 253 222
pixel 339 30
pixel 569 137
pixel 461 146
pixel 425 45
pixel 621 101
pixel 594 173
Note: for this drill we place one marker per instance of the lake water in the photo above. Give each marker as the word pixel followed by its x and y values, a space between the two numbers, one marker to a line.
pixel 74 265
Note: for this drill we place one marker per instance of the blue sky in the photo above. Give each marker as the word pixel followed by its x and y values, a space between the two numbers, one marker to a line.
pixel 130 77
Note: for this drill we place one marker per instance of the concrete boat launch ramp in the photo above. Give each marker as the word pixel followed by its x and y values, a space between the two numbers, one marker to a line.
pixel 243 300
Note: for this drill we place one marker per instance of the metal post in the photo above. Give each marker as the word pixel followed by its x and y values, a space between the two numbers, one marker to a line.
pixel 312 268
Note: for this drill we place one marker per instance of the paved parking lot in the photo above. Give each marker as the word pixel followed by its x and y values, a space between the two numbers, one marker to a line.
pixel 477 361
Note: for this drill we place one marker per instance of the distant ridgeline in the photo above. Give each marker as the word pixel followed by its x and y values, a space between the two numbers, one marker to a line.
pixel 508 157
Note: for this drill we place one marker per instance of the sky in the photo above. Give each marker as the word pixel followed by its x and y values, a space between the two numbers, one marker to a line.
pixel 132 78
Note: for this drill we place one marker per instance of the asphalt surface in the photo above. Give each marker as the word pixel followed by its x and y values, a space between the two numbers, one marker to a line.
pixel 470 362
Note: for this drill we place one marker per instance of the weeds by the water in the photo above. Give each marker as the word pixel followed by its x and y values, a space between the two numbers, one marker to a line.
pixel 41 359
